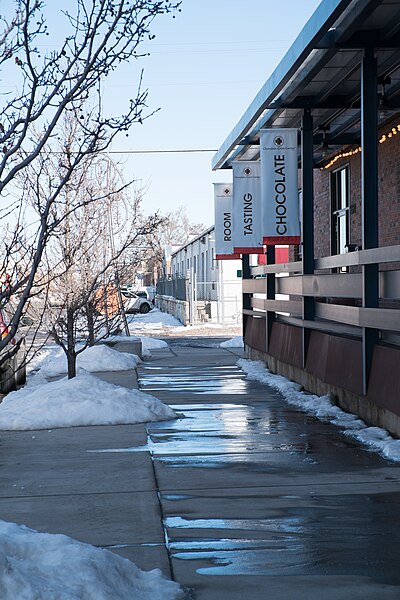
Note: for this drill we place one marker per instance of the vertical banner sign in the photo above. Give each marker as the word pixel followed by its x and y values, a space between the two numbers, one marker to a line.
pixel 247 230
pixel 223 222
pixel 279 188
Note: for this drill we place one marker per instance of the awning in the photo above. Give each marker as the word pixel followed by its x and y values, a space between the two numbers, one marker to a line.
pixel 321 71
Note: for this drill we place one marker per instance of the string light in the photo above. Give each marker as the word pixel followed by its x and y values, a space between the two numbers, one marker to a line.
pixel 341 155
pixel 384 138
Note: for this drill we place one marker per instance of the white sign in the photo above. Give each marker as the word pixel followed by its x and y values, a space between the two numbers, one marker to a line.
pixel 223 200
pixel 247 216
pixel 279 186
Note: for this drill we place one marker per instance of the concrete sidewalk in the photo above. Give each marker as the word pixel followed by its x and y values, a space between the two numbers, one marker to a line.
pixel 260 500
pixel 62 481
pixel 242 497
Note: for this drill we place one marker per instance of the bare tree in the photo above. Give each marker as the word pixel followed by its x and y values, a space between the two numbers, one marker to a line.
pixel 176 229
pixel 86 293
pixel 98 37
pixel 96 219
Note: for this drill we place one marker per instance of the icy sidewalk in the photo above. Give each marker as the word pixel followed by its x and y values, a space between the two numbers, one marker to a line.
pixel 259 499
pixel 62 481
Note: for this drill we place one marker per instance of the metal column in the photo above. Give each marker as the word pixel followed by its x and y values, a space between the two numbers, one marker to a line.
pixel 270 316
pixel 369 207
pixel 246 303
pixel 307 165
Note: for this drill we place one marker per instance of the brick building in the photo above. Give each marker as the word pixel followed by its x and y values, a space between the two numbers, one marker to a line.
pixel 388 194
pixel 339 328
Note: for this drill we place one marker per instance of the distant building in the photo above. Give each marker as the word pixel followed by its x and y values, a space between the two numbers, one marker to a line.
pixel 198 288
pixel 169 249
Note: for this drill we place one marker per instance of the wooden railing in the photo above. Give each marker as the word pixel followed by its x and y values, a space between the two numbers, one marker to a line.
pixel 330 290
pixel 329 300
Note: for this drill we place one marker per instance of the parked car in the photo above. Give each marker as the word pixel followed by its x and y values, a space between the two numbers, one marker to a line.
pixel 129 291
pixel 137 304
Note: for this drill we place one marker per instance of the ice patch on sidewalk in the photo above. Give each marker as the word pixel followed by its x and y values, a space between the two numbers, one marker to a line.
pixel 324 408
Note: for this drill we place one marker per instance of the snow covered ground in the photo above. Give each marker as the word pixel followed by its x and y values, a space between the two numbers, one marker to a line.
pixel 40 566
pixel 158 322
pixel 148 343
pixel 83 400
pixel 153 322
pixel 235 342
pixel 94 359
pixel 324 408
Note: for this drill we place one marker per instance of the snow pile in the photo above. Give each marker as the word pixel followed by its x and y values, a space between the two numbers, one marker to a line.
pixel 323 408
pixel 41 565
pixel 83 400
pixel 149 344
pixel 155 320
pixel 235 342
pixel 93 359
pixel 40 356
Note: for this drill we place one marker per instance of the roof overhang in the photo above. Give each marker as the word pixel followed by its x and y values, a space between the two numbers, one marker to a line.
pixel 321 71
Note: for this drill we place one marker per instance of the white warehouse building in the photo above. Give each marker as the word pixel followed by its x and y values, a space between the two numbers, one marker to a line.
pixel 212 289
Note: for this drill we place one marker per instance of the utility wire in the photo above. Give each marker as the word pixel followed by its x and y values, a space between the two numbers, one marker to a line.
pixel 175 151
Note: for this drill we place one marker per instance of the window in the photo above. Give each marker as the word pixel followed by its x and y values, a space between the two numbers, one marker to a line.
pixel 340 211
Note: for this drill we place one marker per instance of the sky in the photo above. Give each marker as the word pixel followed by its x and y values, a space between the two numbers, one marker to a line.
pixel 205 67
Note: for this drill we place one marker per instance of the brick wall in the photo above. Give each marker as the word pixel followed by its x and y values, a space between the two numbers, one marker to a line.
pixel 389 197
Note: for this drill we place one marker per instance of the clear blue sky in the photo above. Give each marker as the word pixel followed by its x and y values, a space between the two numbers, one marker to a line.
pixel 205 68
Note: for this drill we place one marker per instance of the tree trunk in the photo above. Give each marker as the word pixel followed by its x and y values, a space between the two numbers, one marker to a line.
pixel 71 355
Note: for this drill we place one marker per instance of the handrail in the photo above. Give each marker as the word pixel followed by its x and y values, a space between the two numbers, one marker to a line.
pixel 342 291
pixel 291 267
pixel 385 254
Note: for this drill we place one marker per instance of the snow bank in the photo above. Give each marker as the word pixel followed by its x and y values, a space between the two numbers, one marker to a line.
pixel 153 321
pixel 235 342
pixel 40 565
pixel 94 359
pixel 149 344
pixel 323 408
pixel 83 400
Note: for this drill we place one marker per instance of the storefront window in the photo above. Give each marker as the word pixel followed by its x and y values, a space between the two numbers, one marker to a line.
pixel 340 211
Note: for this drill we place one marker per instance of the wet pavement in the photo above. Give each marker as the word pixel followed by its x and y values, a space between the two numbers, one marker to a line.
pixel 242 497
pixel 260 500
